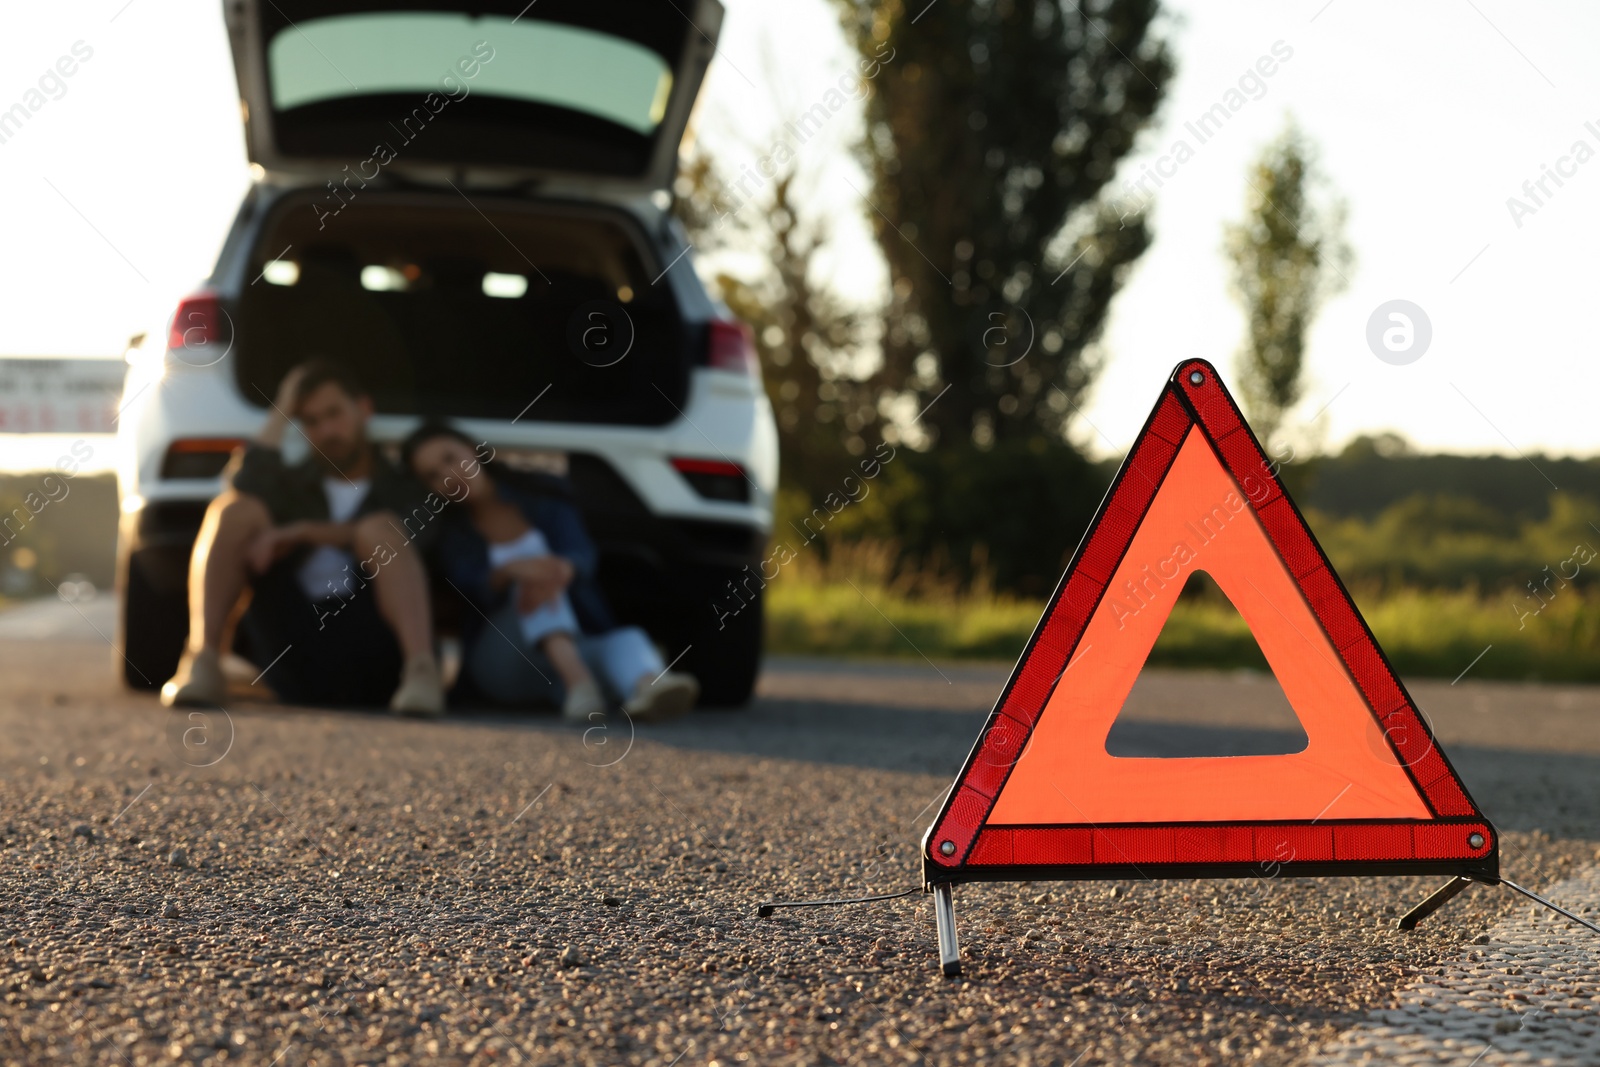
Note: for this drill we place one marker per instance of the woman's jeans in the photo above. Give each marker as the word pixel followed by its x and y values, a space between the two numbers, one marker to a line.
pixel 509 670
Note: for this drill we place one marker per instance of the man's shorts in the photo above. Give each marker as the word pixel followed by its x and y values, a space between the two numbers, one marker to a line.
pixel 335 653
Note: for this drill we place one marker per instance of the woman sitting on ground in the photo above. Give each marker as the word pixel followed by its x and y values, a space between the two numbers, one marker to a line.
pixel 540 632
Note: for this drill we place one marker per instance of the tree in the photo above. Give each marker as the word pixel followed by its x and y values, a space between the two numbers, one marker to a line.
pixel 813 343
pixel 992 131
pixel 1288 257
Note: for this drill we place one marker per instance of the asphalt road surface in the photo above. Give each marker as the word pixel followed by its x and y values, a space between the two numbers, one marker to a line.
pixel 285 886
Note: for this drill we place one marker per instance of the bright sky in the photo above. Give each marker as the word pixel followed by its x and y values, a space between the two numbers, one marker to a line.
pixel 1428 115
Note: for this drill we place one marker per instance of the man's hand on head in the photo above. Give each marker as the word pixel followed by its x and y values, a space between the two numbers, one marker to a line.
pixel 289 389
pixel 282 408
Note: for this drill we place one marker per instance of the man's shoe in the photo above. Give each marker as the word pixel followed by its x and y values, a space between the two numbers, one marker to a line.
pixel 421 691
pixel 198 683
pixel 584 704
pixel 669 696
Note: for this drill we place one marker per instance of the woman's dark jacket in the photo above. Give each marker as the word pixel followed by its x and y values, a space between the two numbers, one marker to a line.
pixel 461 555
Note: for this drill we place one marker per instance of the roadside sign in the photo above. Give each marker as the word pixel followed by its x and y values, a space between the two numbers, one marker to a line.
pixel 59 395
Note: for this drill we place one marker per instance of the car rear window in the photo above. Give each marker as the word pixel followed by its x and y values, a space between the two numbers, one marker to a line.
pixel 344 56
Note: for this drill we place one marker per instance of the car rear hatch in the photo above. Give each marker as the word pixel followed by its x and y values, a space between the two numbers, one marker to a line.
pixel 598 90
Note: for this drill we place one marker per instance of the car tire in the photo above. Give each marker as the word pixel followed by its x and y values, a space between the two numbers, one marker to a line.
pixel 152 628
pixel 725 653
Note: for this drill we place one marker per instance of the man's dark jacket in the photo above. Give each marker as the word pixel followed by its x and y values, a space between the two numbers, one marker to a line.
pixel 294 493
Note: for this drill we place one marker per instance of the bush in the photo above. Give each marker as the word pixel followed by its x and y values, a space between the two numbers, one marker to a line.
pixel 1436 541
pixel 1010 515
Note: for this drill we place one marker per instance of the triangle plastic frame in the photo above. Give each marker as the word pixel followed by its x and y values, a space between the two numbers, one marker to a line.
pixel 960 846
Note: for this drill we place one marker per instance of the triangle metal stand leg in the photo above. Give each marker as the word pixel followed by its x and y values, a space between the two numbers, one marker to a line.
pixel 944 918
pixel 1552 905
pixel 1445 893
pixel 1436 900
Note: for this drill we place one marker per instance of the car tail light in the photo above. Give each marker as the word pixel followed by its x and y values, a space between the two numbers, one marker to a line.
pixel 198 321
pixel 731 347
pixel 198 457
pixel 714 479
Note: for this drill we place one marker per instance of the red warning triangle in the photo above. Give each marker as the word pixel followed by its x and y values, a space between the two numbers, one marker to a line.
pixel 1041 797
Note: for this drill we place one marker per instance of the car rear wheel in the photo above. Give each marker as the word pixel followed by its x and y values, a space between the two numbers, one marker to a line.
pixel 151 629
pixel 725 651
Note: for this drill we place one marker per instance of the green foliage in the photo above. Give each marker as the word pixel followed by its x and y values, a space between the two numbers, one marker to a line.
pixel 828 604
pixel 1287 259
pixel 809 337
pixel 992 134
pixel 1437 634
pixel 1020 508
pixel 993 129
pixel 834 620
pixel 1009 516
pixel 1374 472
pixel 1442 542
pixel 1440 578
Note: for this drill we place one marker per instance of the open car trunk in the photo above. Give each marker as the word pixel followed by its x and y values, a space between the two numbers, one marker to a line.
pixel 594 89
pixel 441 310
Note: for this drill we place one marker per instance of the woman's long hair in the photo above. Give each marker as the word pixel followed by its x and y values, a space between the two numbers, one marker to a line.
pixel 500 474
pixel 428 431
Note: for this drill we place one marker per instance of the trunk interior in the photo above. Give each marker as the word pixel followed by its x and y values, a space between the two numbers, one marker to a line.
pixel 469 310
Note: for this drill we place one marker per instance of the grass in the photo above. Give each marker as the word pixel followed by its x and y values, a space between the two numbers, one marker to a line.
pixel 848 606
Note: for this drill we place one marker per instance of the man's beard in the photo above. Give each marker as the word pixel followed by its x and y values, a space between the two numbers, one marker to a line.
pixel 336 460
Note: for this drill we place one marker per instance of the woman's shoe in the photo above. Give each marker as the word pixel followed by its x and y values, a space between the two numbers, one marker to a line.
pixel 669 696
pixel 584 703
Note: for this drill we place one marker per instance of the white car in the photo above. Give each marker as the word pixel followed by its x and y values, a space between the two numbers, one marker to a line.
pixel 468 204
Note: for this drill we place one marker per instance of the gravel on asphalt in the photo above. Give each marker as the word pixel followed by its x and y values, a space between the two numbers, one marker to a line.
pixel 343 888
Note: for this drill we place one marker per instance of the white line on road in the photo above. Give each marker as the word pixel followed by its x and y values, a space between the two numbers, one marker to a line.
pixel 1527 995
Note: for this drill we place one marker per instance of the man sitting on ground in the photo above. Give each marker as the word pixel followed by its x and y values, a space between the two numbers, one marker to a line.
pixel 339 608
